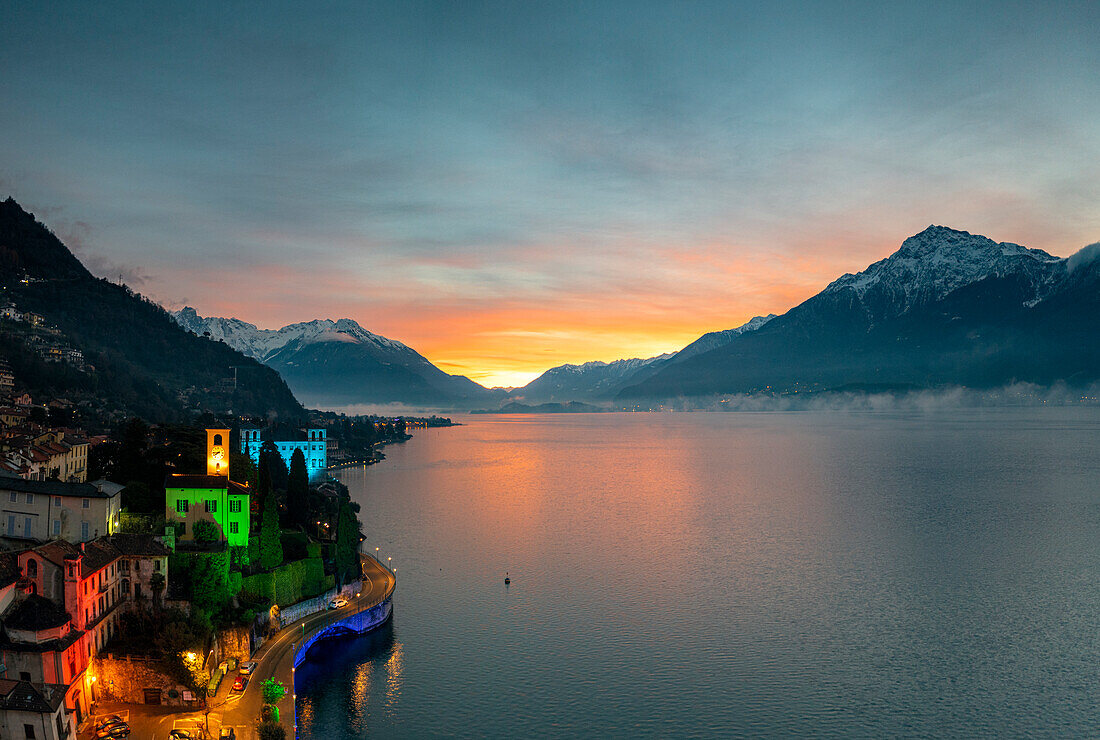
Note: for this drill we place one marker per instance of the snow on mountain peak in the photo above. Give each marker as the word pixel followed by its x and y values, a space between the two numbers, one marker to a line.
pixel 939 260
pixel 263 343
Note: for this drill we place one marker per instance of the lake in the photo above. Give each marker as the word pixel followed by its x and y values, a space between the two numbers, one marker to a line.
pixel 729 574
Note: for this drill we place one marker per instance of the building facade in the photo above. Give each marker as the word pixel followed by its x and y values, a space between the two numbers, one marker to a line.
pixel 189 499
pixel 44 510
pixel 313 444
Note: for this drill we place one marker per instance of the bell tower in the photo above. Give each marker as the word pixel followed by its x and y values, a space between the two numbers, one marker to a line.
pixel 217 452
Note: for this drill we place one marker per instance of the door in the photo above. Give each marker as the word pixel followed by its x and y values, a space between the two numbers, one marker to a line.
pixel 152 696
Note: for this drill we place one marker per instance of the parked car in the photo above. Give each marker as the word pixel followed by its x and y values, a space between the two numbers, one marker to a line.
pixel 180 735
pixel 337 603
pixel 227 734
pixel 247 667
pixel 114 732
pixel 241 683
pixel 114 719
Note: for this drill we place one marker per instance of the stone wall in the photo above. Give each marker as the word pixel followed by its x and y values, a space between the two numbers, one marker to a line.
pixel 125 679
pixel 233 642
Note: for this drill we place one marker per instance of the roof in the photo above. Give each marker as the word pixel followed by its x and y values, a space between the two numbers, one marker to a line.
pixel 97 489
pixel 138 545
pixel 58 551
pixel 98 553
pixel 205 481
pixel 31 697
pixel 36 613
pixel 9 569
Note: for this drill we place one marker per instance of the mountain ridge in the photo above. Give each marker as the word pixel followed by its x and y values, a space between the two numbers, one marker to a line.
pixel 948 307
pixel 137 360
pixel 338 362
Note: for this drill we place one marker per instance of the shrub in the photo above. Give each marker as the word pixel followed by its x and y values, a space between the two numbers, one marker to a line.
pixel 272 691
pixel 271 731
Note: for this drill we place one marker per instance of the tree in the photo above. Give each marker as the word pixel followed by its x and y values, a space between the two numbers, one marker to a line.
pixel 205 531
pixel 156 583
pixel 297 490
pixel 209 573
pixel 271 731
pixel 272 691
pixel 276 467
pixel 271 546
pixel 347 544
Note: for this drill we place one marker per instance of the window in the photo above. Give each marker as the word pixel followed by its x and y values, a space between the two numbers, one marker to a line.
pixel 234 507
pixel 181 506
pixel 11 524
pixel 57 527
pixel 183 528
pixel 234 528
pixel 13 497
pixel 125 567
pixel 27 526
pixel 84 530
pixel 32 568
pixel 85 504
pixel 29 729
pixel 30 498
pixel 156 565
pixel 57 501
pixel 211 507
pixel 217 439
pixel 24 676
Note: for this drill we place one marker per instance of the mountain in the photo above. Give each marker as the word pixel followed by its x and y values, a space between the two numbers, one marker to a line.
pixel 948 308
pixel 126 356
pixel 594 381
pixel 716 339
pixel 589 381
pixel 334 363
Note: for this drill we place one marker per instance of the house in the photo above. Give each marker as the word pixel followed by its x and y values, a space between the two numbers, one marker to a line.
pixel 312 442
pixel 40 510
pixel 66 609
pixel 143 557
pixel 189 499
pixel 34 710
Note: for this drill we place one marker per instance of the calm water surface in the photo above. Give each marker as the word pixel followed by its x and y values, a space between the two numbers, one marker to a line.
pixel 823 574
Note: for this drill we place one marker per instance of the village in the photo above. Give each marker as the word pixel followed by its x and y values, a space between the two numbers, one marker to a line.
pixel 111 609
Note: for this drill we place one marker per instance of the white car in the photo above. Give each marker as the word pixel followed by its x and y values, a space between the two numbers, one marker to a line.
pixel 247 667
pixel 337 603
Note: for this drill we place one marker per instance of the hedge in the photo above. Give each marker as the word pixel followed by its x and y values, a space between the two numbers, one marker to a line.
pixel 289 583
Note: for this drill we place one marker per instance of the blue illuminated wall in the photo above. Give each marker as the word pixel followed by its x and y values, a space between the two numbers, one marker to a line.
pixel 313 447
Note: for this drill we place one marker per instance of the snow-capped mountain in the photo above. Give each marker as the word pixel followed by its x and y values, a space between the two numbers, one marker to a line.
pixel 939 260
pixel 264 343
pixel 716 339
pixel 593 381
pixel 588 381
pixel 946 308
pixel 332 363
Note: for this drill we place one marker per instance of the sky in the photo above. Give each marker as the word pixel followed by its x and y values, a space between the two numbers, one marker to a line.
pixel 511 186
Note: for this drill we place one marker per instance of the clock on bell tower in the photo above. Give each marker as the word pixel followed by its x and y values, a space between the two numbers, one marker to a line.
pixel 217 452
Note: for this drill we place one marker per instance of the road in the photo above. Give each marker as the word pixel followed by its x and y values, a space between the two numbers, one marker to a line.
pixel 275 659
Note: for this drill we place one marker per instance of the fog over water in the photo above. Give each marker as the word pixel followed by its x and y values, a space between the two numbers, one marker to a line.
pixel 912 572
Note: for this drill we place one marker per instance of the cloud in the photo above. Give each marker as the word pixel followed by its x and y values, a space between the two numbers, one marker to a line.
pixel 1084 256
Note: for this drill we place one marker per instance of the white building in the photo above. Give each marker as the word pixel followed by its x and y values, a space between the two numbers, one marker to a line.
pixel 314 446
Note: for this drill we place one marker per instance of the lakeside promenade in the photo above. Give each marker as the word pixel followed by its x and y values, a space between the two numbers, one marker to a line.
pixel 276 659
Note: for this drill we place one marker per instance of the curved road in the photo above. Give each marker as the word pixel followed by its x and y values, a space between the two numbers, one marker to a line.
pixel 275 658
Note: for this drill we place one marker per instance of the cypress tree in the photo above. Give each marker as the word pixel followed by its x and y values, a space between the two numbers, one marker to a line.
pixel 347 544
pixel 297 490
pixel 271 546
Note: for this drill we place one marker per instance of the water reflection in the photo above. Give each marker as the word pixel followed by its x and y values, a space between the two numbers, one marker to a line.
pixel 731 574
pixel 372 660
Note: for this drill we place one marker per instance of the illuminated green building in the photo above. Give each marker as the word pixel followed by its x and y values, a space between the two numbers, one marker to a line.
pixel 189 499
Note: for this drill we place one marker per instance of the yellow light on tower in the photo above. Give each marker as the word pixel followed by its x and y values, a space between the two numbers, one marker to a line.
pixel 217 452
